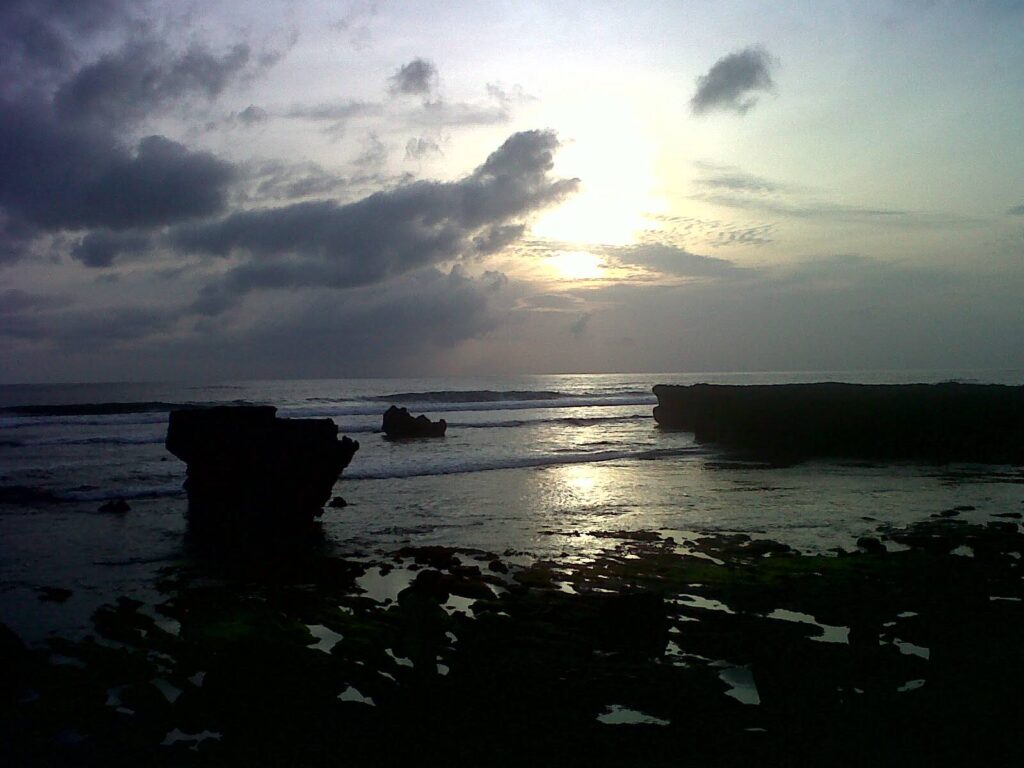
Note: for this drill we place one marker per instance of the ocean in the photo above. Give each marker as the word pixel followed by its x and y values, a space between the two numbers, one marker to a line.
pixel 532 466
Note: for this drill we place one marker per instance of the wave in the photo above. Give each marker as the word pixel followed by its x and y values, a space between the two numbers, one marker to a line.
pixel 100 440
pixel 566 401
pixel 129 492
pixel 469 396
pixel 519 462
pixel 572 421
pixel 108 409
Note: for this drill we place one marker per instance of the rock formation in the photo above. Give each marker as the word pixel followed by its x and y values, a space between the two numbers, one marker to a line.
pixel 247 467
pixel 791 422
pixel 398 422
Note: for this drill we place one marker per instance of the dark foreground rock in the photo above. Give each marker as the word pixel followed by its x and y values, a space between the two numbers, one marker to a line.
pixel 398 423
pixel 920 422
pixel 246 467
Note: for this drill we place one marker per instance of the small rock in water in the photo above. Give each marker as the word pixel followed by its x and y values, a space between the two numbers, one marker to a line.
pixel 870 545
pixel 53 594
pixel 338 503
pixel 115 505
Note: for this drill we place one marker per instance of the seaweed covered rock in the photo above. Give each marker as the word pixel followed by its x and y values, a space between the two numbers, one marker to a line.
pixel 398 422
pixel 246 466
pixel 791 422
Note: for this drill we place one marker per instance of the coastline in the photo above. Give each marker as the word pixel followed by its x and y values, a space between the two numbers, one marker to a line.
pixel 671 602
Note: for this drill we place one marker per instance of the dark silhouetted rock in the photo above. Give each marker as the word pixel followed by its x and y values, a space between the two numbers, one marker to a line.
pixel 793 422
pixel 338 503
pixel 115 505
pixel 53 594
pixel 871 545
pixel 247 467
pixel 398 422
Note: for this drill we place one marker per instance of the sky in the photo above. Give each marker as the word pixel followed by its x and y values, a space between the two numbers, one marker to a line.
pixel 241 190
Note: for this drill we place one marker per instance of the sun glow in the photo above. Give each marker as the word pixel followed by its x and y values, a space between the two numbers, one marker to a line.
pixel 610 153
pixel 576 265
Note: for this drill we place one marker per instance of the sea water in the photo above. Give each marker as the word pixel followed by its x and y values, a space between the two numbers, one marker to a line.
pixel 530 464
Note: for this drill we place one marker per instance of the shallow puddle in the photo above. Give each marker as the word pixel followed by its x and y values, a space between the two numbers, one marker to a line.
pixel 741 684
pixel 383 585
pixel 830 633
pixel 326 638
pixel 353 695
pixel 616 714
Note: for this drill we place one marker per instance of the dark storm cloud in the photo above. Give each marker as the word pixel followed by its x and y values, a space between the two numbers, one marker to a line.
pixel 15 301
pixel 324 243
pixel 380 329
pixel 60 176
pixel 145 76
pixel 70 158
pixel 85 330
pixel 38 37
pixel 670 260
pixel 731 83
pixel 417 78
pixel 101 247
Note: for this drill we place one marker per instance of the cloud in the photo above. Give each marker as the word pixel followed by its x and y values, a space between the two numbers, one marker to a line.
pixel 287 181
pixel 101 247
pixel 374 155
pixel 579 326
pixel 70 153
pixel 726 177
pixel 445 113
pixel 324 243
pixel 419 148
pixel 338 111
pixel 733 188
pixel 57 176
pixel 730 84
pixel 252 115
pixel 417 78
pixel 1017 210
pixel 38 37
pixel 410 323
pixel 145 76
pixel 670 260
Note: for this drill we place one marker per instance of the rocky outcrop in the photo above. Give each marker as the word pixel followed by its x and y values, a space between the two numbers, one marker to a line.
pixel 922 422
pixel 248 467
pixel 398 423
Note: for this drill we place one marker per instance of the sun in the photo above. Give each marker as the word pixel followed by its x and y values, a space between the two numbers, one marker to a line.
pixel 576 265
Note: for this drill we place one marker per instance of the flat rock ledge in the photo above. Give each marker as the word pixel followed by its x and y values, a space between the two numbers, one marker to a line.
pixel 249 468
pixel 937 423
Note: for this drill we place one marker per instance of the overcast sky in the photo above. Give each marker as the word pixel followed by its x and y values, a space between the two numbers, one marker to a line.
pixel 223 190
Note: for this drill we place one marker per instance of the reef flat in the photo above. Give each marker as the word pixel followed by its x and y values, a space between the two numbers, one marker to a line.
pixel 665 649
pixel 941 423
